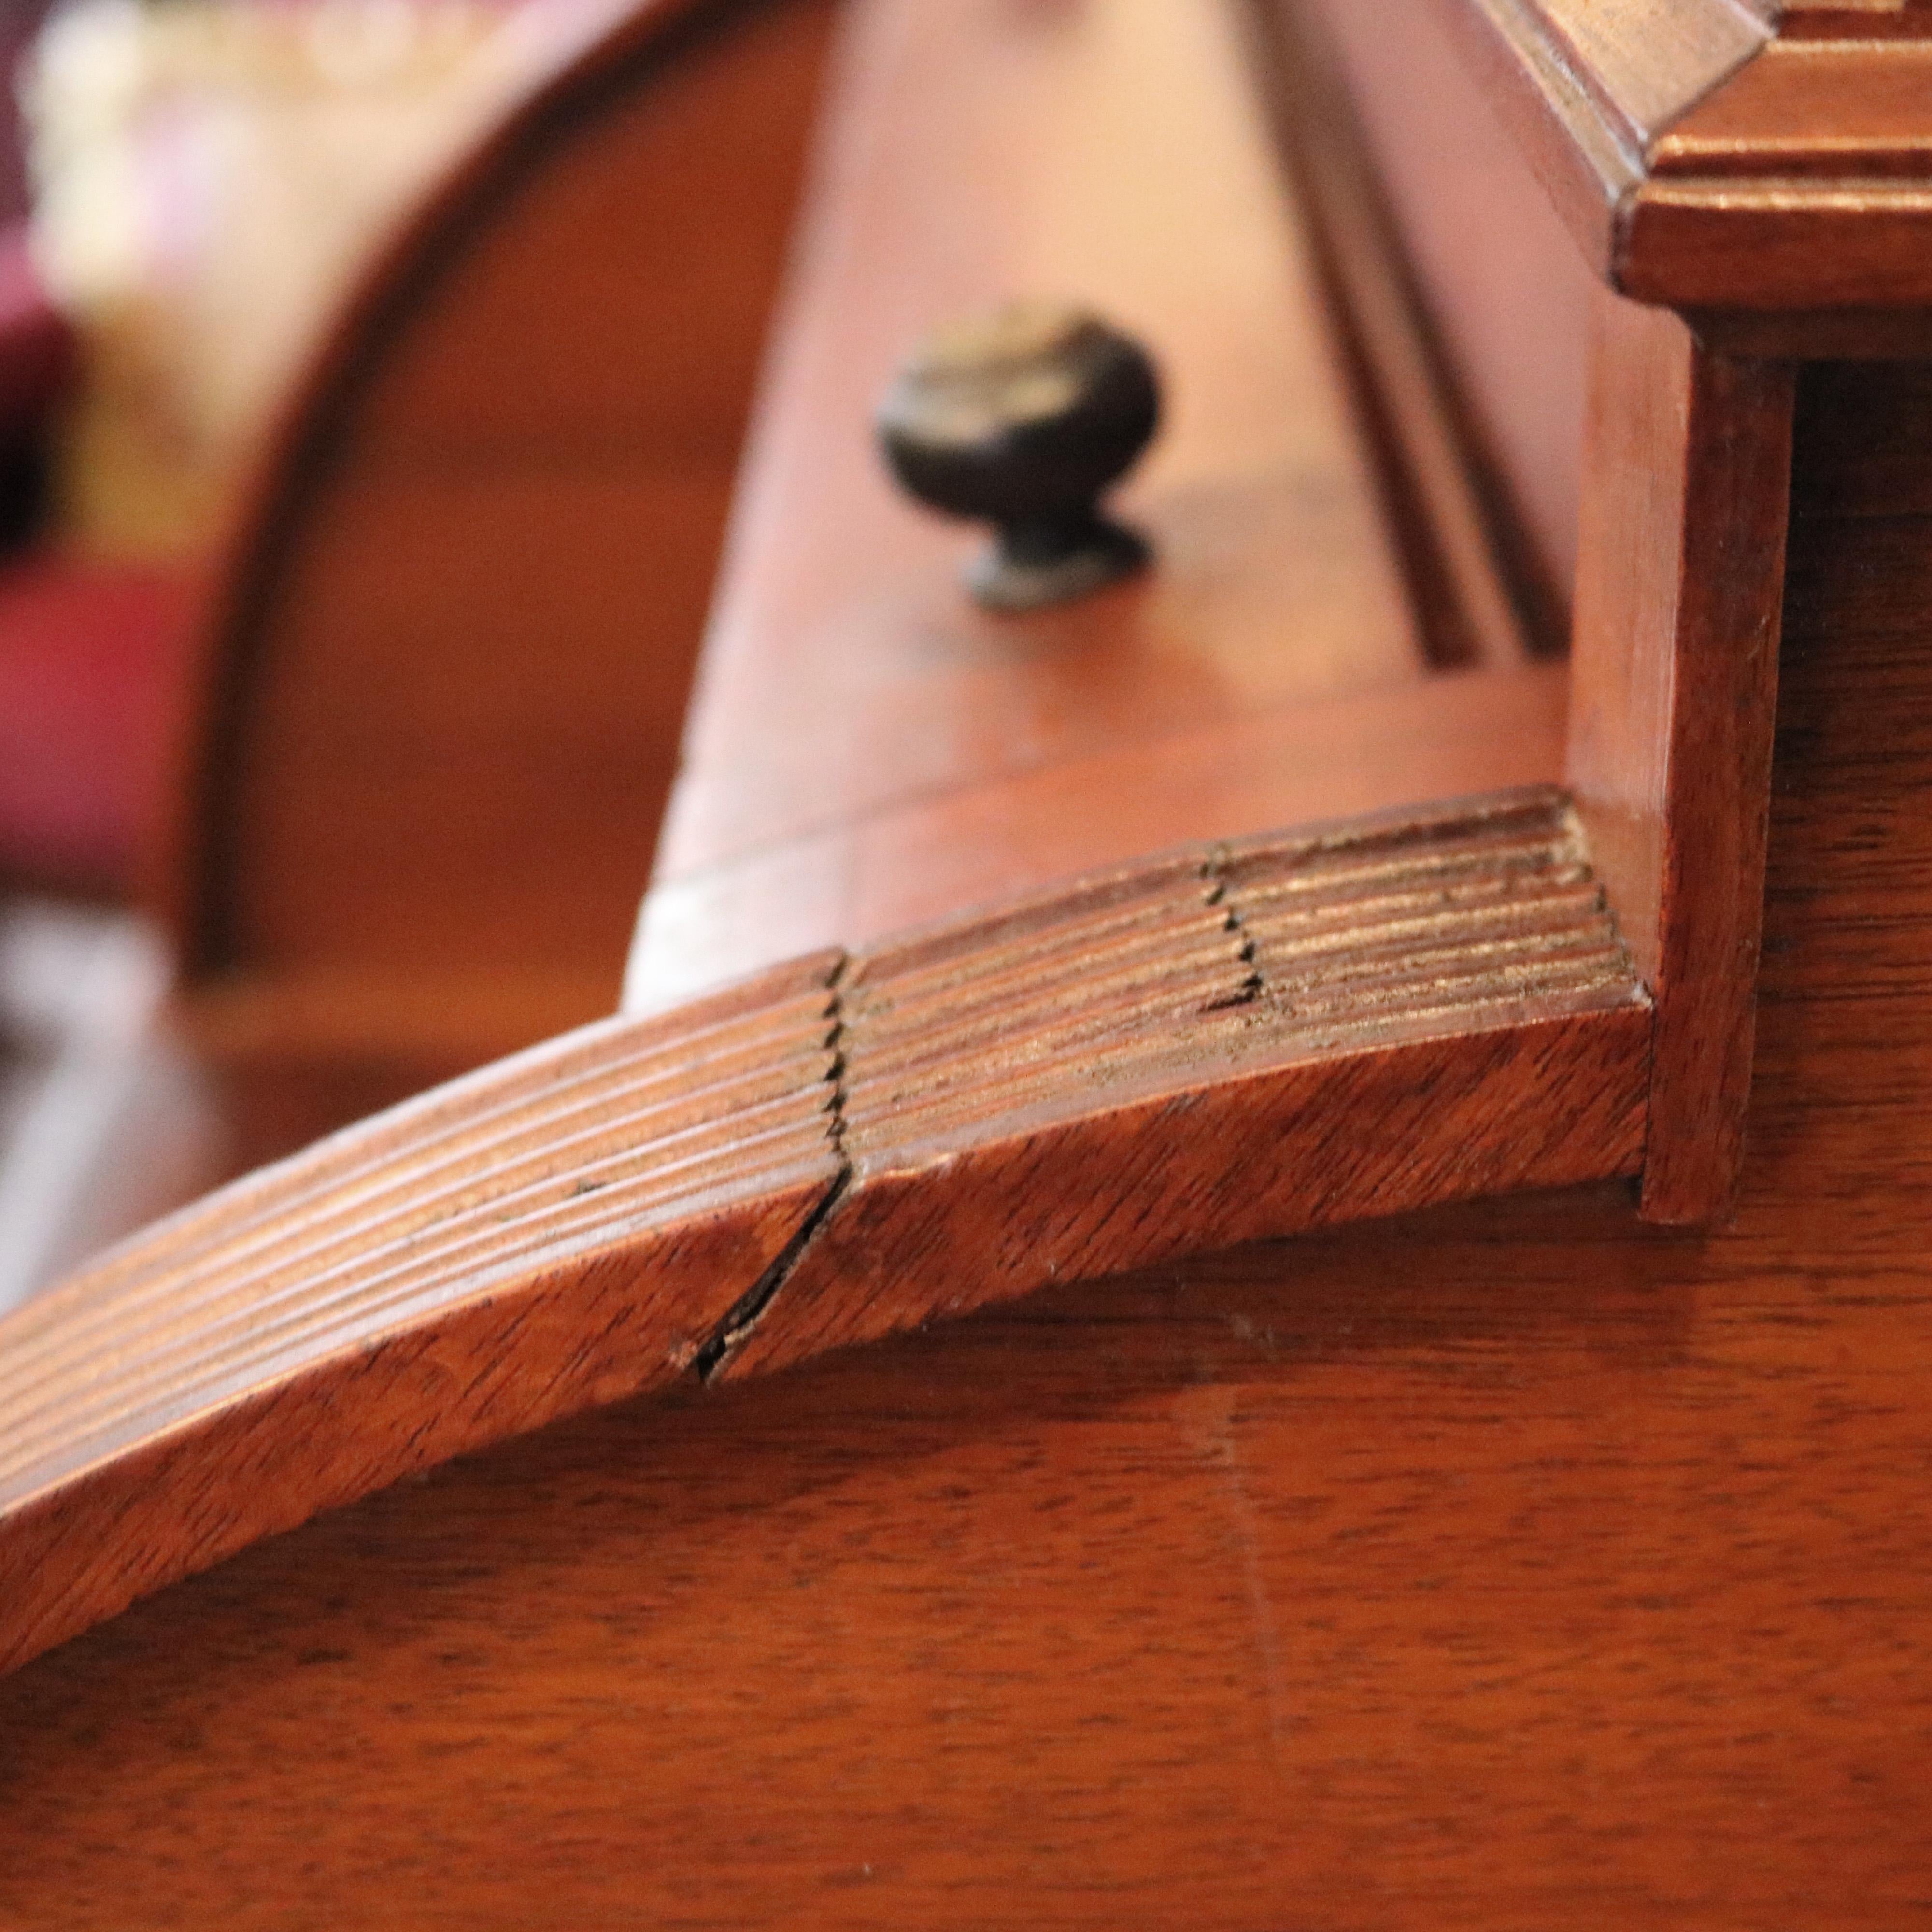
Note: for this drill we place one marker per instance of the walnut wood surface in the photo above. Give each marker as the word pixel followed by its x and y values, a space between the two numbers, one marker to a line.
pixel 1440 737
pixel 1419 1550
pixel 1587 85
pixel 330 1324
pixel 1510 1566
pixel 1672 698
pixel 867 751
pixel 1286 1034
pixel 1804 182
pixel 1489 288
pixel 1476 603
pixel 1853 19
pixel 846 1147
pixel 1811 108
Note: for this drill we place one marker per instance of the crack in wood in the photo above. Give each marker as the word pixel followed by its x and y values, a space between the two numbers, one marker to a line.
pixel 1214 870
pixel 750 1307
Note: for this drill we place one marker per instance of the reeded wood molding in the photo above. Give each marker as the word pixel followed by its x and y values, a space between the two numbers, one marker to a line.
pixel 1237 1042
pixel 1711 159
pixel 558 1231
pixel 1272 1036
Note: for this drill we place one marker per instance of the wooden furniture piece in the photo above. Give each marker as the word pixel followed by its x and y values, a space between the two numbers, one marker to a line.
pixel 1533 1558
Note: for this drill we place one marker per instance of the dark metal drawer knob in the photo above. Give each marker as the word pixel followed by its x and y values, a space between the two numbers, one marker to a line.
pixel 1021 418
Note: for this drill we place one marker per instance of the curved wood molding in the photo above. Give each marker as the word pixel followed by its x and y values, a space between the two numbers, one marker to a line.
pixel 1269 1036
pixel 559 1231
pixel 1237 1042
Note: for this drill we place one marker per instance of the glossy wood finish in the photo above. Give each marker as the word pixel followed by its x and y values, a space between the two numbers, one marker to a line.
pixel 1282 1034
pixel 1520 1565
pixel 1586 85
pixel 1444 206
pixel 1706 162
pixel 1811 108
pixel 1440 737
pixel 1457 564
pixel 1684 479
pixel 1510 1566
pixel 1381 1552
pixel 1673 694
pixel 842 1150
pixel 1112 154
pixel 1853 19
pixel 330 1324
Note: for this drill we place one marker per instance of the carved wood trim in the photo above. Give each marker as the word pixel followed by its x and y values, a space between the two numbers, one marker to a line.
pixel 557 1231
pixel 1272 1036
pixel 1236 1042
pixel 1585 89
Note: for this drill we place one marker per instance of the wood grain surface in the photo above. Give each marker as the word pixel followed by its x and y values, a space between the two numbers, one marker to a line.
pixel 1804 182
pixel 976 151
pixel 1672 699
pixel 1706 161
pixel 1457 558
pixel 1425 1007
pixel 1511 1565
pixel 1505 1567
pixel 329 1324
pixel 867 750
pixel 1440 737
pixel 1586 85
pixel 1284 1033
pixel 1811 108
pixel 1495 298
pixel 1854 19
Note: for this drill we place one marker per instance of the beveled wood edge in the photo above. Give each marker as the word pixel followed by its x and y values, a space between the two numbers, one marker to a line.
pixel 1583 140
pixel 1418 1007
pixel 1666 228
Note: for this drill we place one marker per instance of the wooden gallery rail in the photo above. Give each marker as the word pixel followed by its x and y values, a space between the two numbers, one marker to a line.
pixel 1241 1037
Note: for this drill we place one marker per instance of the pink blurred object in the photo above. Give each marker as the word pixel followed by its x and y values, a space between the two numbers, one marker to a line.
pixel 93 662
pixel 92 659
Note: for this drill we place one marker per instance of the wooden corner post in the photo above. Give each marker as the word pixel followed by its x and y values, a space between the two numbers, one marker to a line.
pixel 1680 584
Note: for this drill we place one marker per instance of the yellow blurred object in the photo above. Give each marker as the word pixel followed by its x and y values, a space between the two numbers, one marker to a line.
pixel 209 175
